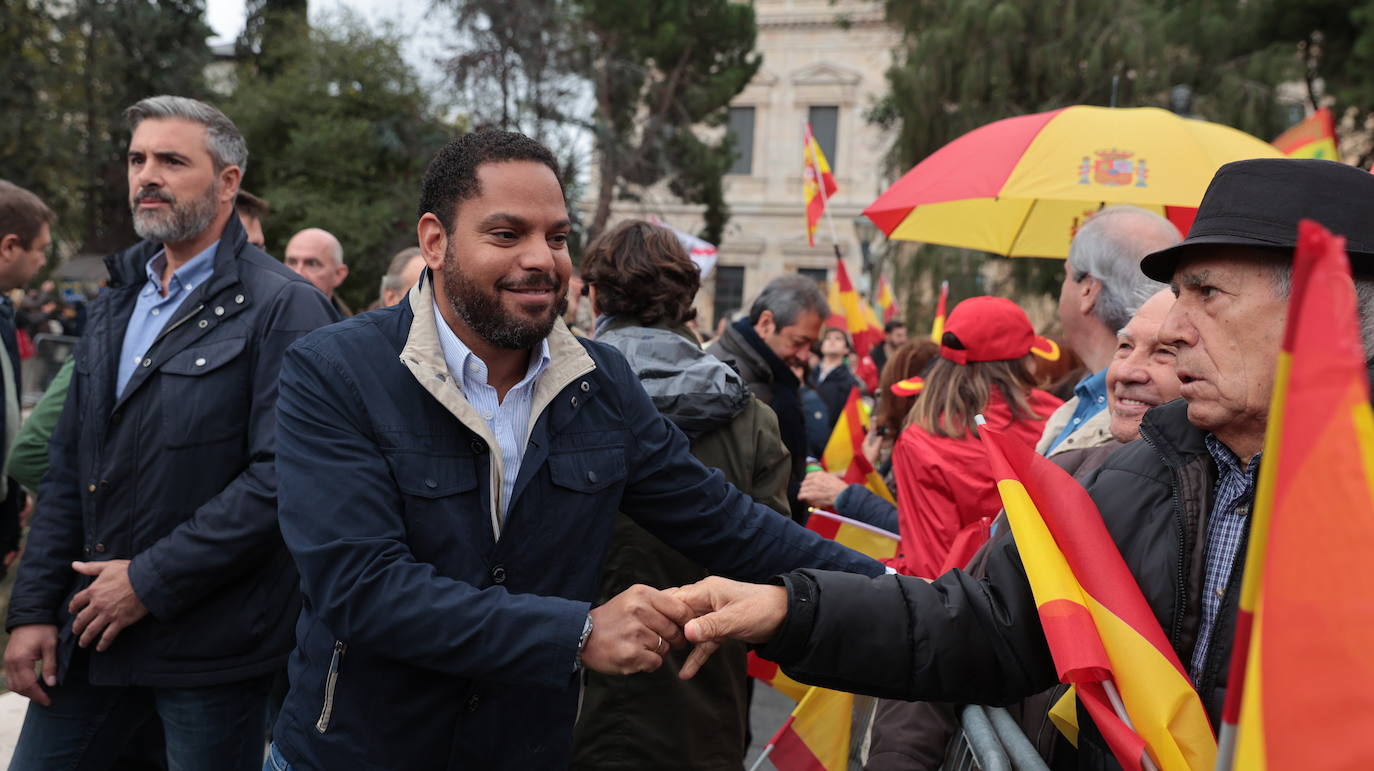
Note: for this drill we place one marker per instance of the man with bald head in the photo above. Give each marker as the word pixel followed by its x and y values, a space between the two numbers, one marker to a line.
pixel 317 256
pixel 1141 375
pixel 402 274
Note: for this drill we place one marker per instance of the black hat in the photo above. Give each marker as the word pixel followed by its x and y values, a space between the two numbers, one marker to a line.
pixel 1259 202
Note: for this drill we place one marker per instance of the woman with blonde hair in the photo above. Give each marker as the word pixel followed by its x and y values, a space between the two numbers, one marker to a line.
pixel 946 496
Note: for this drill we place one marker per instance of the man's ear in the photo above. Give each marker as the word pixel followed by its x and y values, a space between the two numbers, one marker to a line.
pixel 229 179
pixel 1088 290
pixel 433 240
pixel 9 245
pixel 766 325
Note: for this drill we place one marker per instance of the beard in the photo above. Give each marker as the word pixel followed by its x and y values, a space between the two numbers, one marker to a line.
pixel 484 314
pixel 181 221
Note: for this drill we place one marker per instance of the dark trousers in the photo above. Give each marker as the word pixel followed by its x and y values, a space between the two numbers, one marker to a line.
pixel 214 728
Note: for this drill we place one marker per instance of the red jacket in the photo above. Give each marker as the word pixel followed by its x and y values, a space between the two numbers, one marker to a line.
pixel 945 493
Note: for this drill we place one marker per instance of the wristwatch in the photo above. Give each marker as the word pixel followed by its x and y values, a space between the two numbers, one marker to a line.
pixel 582 642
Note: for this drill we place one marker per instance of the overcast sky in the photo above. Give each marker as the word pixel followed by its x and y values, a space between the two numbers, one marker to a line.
pixel 412 17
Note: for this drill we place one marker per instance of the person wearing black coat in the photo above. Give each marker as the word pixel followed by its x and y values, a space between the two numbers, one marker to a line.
pixel 155 583
pixel 1176 503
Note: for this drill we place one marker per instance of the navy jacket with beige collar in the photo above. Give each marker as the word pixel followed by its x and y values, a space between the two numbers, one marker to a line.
pixel 436 634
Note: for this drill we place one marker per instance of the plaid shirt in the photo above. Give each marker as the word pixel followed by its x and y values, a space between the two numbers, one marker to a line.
pixel 1225 530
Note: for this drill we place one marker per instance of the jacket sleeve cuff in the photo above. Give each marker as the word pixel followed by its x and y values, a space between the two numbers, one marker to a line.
pixel 152 591
pixel 789 644
pixel 840 499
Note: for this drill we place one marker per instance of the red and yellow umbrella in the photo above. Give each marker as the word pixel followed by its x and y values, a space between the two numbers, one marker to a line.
pixel 1020 187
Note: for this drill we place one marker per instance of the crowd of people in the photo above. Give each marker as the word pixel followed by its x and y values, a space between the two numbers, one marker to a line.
pixel 450 533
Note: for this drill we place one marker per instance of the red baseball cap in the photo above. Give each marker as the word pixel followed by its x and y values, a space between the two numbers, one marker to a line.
pixel 993 329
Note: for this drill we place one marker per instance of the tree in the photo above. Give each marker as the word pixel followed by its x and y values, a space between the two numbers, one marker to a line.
pixel 648 81
pixel 73 69
pixel 270 29
pixel 965 63
pixel 659 71
pixel 339 139
pixel 1336 42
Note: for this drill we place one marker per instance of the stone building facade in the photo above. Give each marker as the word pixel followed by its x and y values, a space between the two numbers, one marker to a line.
pixel 824 61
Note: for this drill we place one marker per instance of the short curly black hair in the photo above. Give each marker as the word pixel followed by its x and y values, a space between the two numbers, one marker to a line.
pixel 451 177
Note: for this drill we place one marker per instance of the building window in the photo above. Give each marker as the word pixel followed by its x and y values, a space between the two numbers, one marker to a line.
pixel 742 131
pixel 825 128
pixel 729 290
pixel 819 275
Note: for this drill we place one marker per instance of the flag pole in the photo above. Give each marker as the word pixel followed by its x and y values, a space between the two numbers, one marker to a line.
pixel 768 749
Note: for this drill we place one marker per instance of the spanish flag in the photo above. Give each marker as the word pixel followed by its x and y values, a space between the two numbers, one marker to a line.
pixel 862 326
pixel 1302 668
pixel 818 184
pixel 844 454
pixel 1312 137
pixel 815 736
pixel 1103 635
pixel 772 676
pixel 887 302
pixel 859 536
pixel 937 328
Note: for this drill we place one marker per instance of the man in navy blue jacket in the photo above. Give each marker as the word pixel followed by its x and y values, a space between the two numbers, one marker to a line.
pixel 155 584
pixel 450 472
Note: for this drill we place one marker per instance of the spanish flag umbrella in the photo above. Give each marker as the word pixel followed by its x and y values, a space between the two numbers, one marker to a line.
pixel 1020 187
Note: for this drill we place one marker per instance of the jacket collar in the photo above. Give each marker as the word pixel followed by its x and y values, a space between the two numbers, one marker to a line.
pixel 1167 429
pixel 423 355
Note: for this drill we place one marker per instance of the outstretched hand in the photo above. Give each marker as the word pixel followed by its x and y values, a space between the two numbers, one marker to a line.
pixel 632 631
pixel 728 609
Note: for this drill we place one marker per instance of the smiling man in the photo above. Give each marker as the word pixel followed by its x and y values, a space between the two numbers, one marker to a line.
pixel 155 584
pixel 1141 375
pixel 451 468
pixel 1177 504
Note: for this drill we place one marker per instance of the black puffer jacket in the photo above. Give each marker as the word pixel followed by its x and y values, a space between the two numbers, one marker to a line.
pixel 979 641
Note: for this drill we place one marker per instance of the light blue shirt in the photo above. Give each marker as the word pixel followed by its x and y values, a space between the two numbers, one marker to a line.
pixel 1092 399
pixel 153 311
pixel 509 420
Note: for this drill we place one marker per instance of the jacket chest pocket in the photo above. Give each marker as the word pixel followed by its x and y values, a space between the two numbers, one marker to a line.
pixel 589 470
pixel 441 509
pixel 205 393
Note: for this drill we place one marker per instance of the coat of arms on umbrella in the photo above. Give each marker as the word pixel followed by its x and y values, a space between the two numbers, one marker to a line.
pixel 1113 168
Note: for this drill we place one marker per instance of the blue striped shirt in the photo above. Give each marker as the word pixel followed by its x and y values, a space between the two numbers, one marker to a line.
pixel 1225 531
pixel 508 419
pixel 152 311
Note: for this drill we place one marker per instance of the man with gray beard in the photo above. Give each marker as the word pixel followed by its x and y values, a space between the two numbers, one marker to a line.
pixel 155 584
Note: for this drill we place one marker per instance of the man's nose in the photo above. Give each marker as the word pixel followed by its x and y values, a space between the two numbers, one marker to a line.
pixel 1177 330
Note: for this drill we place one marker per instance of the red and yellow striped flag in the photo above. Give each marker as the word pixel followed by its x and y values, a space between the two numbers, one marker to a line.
pixel 1102 634
pixel 773 676
pixel 1302 668
pixel 844 454
pixel 859 536
pixel 815 736
pixel 863 326
pixel 887 302
pixel 1312 137
pixel 818 184
pixel 937 328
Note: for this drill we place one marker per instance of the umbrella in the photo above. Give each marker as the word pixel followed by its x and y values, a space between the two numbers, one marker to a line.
pixel 1020 187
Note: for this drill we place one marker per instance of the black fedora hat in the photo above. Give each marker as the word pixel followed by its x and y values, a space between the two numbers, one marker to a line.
pixel 1259 203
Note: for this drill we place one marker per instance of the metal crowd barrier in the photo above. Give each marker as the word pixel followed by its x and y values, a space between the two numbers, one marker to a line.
pixel 992 741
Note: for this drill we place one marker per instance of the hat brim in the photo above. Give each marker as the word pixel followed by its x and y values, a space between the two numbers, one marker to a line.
pixel 909 387
pixel 1160 265
pixel 1045 348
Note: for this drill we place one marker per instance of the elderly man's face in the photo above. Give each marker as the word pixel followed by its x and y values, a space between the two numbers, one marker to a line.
pixel 1227 326
pixel 1141 374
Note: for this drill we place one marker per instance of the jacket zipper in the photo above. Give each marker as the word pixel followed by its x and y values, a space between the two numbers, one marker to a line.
pixel 180 321
pixel 1180 593
pixel 331 680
